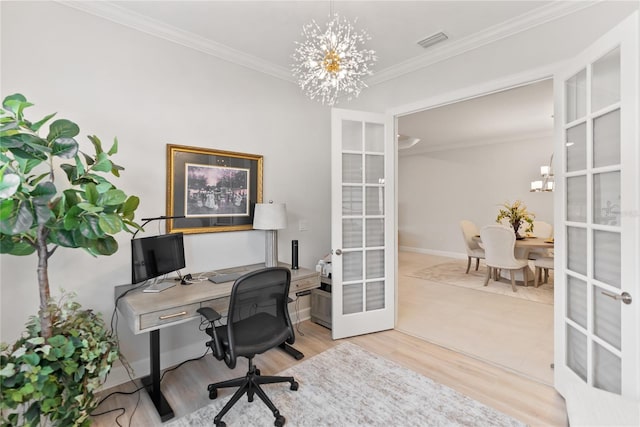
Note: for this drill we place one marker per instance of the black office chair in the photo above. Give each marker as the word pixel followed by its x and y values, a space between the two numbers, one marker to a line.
pixel 257 320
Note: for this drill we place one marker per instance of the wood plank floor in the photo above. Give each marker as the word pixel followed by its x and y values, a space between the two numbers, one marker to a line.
pixel 185 388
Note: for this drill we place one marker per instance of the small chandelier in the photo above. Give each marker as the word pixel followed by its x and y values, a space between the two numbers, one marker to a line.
pixel 331 63
pixel 547 182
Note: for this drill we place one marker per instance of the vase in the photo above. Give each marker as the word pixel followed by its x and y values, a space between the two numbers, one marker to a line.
pixel 516 225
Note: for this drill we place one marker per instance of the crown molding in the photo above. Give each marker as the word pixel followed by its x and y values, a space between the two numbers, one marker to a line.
pixel 162 30
pixel 426 149
pixel 128 18
pixel 534 18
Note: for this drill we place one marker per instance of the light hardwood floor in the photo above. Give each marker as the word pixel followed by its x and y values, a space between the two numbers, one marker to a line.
pixel 529 401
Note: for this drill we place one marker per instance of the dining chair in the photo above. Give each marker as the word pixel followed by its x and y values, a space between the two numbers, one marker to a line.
pixel 542 264
pixel 499 243
pixel 469 230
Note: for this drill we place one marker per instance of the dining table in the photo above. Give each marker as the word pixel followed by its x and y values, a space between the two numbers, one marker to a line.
pixel 521 250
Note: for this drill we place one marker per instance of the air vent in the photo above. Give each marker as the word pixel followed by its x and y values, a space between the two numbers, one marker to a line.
pixel 433 39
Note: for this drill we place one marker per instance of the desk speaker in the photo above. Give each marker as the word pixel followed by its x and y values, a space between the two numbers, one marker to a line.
pixel 294 254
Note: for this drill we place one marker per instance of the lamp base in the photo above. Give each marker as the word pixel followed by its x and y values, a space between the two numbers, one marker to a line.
pixel 271 248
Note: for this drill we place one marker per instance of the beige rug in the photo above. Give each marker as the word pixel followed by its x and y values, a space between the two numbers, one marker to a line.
pixel 350 386
pixel 453 273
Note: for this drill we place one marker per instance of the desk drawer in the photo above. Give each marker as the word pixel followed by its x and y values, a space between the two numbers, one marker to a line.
pixel 161 317
pixel 304 284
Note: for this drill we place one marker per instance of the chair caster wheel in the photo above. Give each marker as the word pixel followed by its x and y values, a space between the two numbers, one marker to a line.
pixel 213 393
pixel 280 421
pixel 294 386
pixel 221 424
pixel 258 372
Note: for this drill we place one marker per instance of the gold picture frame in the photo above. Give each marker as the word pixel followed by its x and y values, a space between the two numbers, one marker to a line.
pixel 211 190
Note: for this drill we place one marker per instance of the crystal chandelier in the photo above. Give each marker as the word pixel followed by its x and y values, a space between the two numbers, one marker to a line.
pixel 332 63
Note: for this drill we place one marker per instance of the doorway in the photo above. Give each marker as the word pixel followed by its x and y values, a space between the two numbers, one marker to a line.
pixel 472 156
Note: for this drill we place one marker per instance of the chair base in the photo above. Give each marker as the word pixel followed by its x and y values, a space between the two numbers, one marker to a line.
pixel 250 385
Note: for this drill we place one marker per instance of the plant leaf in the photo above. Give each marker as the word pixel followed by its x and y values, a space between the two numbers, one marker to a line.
pixel 114 148
pixel 103 164
pixel 62 128
pixel 64 147
pixel 9 184
pixel 19 221
pixel 110 223
pixel 37 125
pixel 112 197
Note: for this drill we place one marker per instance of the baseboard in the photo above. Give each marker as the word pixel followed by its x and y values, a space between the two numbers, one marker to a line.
pixel 119 375
pixel 457 255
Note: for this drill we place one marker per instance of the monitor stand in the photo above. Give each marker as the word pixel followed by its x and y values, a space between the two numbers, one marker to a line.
pixel 159 286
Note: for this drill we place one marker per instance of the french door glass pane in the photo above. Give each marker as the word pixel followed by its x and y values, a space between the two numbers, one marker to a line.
pixel 577 300
pixel 375 295
pixel 351 168
pixel 576 96
pixel 577 352
pixel 374 169
pixel 606 139
pixel 606 257
pixel 351 233
pixel 374 138
pixel 577 250
pixel 352 298
pixel 607 369
pixel 375 200
pixel 375 264
pixel 351 266
pixel 577 199
pixel 352 200
pixel 375 232
pixel 606 198
pixel 605 80
pixel 576 146
pixel 606 317
pixel 351 135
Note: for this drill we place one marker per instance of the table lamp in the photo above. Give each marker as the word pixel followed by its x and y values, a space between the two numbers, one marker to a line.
pixel 270 217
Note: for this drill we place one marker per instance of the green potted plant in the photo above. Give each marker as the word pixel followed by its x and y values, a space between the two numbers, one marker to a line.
pixel 51 372
pixel 516 213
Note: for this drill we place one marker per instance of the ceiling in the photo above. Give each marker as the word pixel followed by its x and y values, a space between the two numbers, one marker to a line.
pixel 522 113
pixel 261 35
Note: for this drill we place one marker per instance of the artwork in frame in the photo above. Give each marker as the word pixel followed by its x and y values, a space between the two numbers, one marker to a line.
pixel 214 190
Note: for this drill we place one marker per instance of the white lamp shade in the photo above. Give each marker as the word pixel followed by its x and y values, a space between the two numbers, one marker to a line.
pixel 270 216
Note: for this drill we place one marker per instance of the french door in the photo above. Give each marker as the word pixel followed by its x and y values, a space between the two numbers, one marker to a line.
pixel 597 298
pixel 362 223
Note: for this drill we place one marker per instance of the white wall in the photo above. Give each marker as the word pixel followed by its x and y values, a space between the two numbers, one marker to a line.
pixel 115 81
pixel 437 190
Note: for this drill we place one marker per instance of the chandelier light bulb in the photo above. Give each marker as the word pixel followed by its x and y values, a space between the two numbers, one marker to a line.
pixel 332 63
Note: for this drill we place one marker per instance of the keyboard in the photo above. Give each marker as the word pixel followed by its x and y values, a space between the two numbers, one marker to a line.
pixel 227 277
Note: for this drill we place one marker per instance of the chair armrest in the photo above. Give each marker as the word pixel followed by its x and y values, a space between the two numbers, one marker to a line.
pixel 209 313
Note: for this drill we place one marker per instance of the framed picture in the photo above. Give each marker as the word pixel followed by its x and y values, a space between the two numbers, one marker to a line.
pixel 214 190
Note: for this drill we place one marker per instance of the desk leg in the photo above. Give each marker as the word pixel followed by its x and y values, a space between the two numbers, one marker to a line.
pixel 152 382
pixel 296 354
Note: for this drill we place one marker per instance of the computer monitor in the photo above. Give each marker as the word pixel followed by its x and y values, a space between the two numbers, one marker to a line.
pixel 156 255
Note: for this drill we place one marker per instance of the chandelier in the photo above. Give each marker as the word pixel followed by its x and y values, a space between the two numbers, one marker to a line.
pixel 547 182
pixel 331 63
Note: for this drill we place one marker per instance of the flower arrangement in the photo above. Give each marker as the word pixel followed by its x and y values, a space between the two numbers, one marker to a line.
pixel 516 214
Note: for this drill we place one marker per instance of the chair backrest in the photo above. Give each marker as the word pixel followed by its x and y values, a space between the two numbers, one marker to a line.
pixel 469 230
pixel 262 296
pixel 499 242
pixel 542 229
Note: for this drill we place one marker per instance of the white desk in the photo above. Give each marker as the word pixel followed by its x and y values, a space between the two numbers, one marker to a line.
pixel 150 312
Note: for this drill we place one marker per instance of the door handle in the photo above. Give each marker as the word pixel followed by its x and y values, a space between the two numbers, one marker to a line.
pixel 624 297
pixel 338 252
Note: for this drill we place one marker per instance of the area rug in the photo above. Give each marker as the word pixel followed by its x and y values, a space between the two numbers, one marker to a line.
pixel 453 273
pixel 350 386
